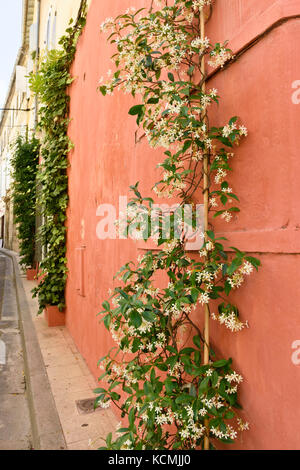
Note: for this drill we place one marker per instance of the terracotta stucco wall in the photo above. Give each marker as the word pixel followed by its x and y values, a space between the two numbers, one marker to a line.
pixel 106 160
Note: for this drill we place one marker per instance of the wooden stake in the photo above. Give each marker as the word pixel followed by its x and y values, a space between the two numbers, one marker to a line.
pixel 205 203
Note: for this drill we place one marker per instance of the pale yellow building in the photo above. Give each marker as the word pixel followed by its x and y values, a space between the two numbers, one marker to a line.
pixel 44 22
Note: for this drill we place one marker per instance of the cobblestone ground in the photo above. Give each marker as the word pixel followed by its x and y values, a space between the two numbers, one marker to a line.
pixel 15 427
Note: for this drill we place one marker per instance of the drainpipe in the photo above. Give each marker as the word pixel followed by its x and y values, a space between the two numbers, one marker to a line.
pixel 37 50
pixel 38 219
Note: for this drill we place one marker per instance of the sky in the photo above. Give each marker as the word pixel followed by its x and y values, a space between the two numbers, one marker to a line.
pixel 10 41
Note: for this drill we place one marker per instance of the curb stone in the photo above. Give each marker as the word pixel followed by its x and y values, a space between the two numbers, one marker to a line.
pixel 46 427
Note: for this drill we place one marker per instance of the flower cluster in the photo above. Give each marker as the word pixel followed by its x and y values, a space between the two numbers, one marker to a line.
pixel 219 56
pixel 230 320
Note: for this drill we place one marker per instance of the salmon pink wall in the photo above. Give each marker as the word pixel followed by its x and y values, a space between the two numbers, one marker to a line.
pixel 106 160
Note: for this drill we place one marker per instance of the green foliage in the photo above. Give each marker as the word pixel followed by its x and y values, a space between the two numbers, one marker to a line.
pixel 24 163
pixel 50 84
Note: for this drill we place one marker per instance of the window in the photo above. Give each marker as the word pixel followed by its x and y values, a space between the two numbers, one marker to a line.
pixel 53 39
pixel 48 28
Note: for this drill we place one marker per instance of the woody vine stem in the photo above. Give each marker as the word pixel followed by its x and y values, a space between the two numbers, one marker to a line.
pixel 206 226
pixel 163 374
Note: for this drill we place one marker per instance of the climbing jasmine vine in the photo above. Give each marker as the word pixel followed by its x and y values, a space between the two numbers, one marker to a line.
pixel 156 375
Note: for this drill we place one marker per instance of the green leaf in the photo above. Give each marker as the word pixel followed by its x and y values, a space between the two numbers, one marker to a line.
pixel 224 199
pixel 106 305
pixel 214 378
pixel 204 385
pixel 135 318
pixel 216 214
pixel 236 263
pixel 197 341
pixel 153 101
pixel 115 396
pixel 99 390
pixel 172 275
pixel 186 145
pixel 176 445
pixel 148 315
pixel 109 439
pixel 194 294
pixel 233 120
pixel 184 300
pixel 227 287
pixel 171 349
pixel 106 321
pixel 137 109
pixel 187 351
pixel 169 385
pixel 131 418
pixel 147 388
pixel 162 367
pixel 221 363
pixel 211 234
pixel 229 415
pixel 184 398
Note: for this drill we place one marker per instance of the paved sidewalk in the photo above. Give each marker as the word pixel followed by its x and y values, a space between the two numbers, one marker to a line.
pixel 70 381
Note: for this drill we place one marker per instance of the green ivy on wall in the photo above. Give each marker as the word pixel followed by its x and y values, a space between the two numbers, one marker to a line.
pixel 24 170
pixel 50 84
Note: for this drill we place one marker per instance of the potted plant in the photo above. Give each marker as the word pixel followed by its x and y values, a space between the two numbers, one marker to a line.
pixel 31 273
pixel 50 296
pixel 54 316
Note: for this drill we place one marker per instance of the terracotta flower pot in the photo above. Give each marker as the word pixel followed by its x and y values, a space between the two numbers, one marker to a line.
pixel 30 274
pixel 53 316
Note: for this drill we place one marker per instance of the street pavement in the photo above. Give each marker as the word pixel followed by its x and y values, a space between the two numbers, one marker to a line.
pixel 15 424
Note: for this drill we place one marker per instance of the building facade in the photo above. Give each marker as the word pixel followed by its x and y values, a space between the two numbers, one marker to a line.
pixel 44 22
pixel 262 87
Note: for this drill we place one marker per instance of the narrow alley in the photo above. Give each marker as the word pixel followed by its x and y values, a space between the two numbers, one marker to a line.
pixel 46 388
